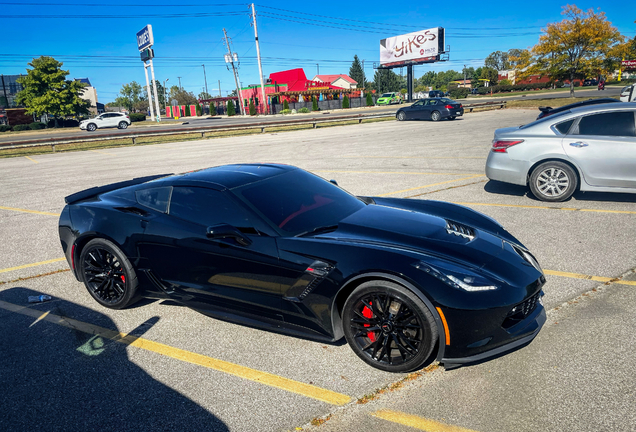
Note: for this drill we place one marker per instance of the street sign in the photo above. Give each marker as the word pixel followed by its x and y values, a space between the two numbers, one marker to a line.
pixel 145 38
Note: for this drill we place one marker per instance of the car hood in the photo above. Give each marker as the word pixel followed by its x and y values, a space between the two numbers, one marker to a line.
pixel 435 229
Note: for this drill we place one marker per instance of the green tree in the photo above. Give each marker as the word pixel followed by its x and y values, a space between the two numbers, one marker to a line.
pixel 369 99
pixel 357 73
pixel 427 79
pixel 285 104
pixel 314 103
pixel 252 108
pixel 199 109
pixel 498 60
pixel 131 95
pixel 212 109
pixel 576 47
pixel 46 90
pixel 230 108
pixel 387 81
pixel 490 74
pixel 345 102
pixel 182 96
pixel 204 95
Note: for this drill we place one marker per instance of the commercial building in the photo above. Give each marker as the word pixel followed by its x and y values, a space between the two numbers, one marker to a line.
pixel 90 94
pixel 9 88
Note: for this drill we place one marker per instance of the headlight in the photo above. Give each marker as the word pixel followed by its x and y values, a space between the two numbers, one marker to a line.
pixel 464 280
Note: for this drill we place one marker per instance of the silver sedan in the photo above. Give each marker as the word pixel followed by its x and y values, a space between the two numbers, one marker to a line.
pixel 591 148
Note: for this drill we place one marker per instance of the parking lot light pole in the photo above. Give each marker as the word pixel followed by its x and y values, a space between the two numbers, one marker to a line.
pixel 165 94
pixel 206 79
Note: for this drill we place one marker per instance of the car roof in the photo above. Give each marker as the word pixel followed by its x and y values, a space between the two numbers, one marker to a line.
pixel 232 176
pixel 622 106
pixel 583 103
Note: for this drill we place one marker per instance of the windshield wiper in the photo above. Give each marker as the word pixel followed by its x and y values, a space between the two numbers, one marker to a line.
pixel 322 229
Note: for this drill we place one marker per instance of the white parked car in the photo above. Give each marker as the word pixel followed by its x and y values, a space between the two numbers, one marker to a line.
pixel 628 94
pixel 106 120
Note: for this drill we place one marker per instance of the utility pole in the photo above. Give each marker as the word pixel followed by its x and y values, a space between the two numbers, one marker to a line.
pixel 260 67
pixel 220 95
pixel 464 76
pixel 317 69
pixel 179 83
pixel 364 79
pixel 231 58
pixel 206 79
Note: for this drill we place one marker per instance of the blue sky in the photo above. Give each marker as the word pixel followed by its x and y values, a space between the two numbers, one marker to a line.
pixel 97 39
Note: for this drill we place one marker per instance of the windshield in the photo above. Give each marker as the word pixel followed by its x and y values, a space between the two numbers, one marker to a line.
pixel 297 201
pixel 387 95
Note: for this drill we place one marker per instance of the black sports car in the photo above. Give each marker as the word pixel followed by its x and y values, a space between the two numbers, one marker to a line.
pixel 272 246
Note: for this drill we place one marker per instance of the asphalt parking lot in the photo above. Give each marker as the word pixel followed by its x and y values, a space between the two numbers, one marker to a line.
pixel 70 364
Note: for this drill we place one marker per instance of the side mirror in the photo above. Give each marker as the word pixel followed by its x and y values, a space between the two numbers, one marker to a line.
pixel 223 231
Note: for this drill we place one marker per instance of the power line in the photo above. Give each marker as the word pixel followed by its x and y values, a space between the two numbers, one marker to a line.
pixel 174 15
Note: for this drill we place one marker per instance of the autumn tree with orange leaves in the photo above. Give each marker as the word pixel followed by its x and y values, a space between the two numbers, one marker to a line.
pixel 577 47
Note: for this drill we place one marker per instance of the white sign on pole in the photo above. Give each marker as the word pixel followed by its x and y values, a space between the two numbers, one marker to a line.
pixel 420 46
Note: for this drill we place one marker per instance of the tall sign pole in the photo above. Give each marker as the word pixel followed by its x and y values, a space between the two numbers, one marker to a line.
pixel 260 67
pixel 145 41
pixel 230 58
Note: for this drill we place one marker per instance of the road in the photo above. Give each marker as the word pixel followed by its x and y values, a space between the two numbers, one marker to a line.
pixel 67 367
pixel 246 120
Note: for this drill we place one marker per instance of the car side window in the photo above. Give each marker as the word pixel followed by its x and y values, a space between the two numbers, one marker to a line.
pixel 617 123
pixel 418 103
pixel 564 127
pixel 207 207
pixel 432 102
pixel 154 198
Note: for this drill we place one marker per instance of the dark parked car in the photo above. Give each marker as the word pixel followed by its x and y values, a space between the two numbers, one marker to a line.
pixel 547 111
pixel 432 108
pixel 273 246
pixel 435 93
pixel 590 82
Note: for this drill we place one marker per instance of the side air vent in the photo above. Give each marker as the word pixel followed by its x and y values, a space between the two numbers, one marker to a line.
pixel 527 257
pixel 460 230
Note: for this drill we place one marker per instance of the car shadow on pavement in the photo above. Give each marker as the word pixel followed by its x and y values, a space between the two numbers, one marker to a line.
pixel 61 378
pixel 500 188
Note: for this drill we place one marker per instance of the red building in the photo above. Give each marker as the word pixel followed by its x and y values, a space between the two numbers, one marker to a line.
pixel 291 85
pixel 510 75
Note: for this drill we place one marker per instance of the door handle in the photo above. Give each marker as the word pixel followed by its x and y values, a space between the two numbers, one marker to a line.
pixel 579 144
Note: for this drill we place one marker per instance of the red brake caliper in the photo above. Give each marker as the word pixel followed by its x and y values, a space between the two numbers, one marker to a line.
pixel 367 313
pixel 123 278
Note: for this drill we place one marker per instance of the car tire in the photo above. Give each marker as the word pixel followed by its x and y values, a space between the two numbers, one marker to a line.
pixel 378 334
pixel 91 127
pixel 122 125
pixel 401 116
pixel 436 116
pixel 108 275
pixel 553 181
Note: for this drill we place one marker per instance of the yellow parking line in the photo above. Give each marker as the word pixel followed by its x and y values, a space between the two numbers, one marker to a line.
pixel 412 157
pixel 588 277
pixel 29 211
pixel 547 208
pixel 32 265
pixel 417 422
pixel 32 160
pixel 265 378
pixel 430 185
pixel 391 172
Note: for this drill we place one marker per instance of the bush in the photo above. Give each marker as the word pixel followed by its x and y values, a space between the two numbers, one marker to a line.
pixel 5 128
pixel 69 123
pixel 314 103
pixel 304 110
pixel 252 108
pixel 135 117
pixel 459 92
pixel 345 102
pixel 199 110
pixel 285 105
pixel 288 111
pixel 212 109
pixel 37 126
pixel 230 109
pixel 21 127
pixel 369 99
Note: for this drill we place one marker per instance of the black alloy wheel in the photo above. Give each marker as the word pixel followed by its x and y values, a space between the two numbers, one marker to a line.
pixel 108 275
pixel 436 116
pixel 122 125
pixel 389 327
pixel 401 116
pixel 91 127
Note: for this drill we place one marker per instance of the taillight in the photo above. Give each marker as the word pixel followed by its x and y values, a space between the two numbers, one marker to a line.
pixel 448 107
pixel 502 145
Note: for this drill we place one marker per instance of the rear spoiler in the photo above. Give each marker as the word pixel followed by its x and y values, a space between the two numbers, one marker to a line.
pixel 544 108
pixel 78 196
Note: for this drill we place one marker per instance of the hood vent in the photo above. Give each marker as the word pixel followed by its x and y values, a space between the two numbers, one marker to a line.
pixel 460 230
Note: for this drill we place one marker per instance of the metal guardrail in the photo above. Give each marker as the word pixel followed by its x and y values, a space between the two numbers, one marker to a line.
pixel 134 136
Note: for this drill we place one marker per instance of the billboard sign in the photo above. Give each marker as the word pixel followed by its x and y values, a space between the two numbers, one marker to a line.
pixel 145 38
pixel 628 64
pixel 413 48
